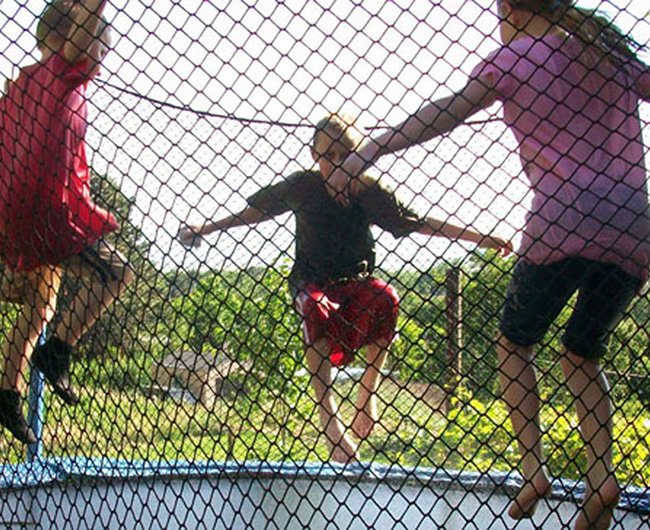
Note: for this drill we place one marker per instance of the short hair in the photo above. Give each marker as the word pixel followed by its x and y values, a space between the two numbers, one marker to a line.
pixel 58 17
pixel 340 128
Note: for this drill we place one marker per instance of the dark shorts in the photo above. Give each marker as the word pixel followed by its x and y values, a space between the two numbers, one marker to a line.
pixel 99 262
pixel 538 293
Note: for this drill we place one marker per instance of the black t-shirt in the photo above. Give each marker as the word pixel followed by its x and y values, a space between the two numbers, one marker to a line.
pixel 334 242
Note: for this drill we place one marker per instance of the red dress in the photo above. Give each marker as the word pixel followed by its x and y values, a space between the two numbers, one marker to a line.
pixel 46 213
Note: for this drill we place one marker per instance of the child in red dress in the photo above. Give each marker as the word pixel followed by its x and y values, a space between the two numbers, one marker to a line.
pixel 49 225
pixel 343 307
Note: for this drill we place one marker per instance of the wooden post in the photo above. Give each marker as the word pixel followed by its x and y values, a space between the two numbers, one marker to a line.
pixel 454 319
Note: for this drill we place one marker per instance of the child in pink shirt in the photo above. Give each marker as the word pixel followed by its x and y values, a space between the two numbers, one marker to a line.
pixel 570 84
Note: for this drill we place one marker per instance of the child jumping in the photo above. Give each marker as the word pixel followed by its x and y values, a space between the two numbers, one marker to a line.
pixel 49 225
pixel 570 83
pixel 343 307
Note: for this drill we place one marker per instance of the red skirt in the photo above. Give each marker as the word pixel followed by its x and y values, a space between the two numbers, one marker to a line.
pixel 348 315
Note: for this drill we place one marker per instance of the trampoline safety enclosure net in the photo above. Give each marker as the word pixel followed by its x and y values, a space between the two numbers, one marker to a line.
pixel 324 264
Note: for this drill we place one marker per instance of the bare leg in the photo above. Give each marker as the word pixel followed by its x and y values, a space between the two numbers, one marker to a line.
pixel 519 385
pixel 590 389
pixel 342 448
pixel 37 310
pixel 90 303
pixel 367 415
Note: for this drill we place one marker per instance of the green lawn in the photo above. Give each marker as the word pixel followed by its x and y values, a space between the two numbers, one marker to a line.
pixel 413 431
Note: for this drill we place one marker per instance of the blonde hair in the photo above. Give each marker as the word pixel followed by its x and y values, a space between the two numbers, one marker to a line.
pixel 601 37
pixel 57 20
pixel 339 127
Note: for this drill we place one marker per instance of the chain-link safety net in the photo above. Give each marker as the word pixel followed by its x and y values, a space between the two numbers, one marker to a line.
pixel 269 340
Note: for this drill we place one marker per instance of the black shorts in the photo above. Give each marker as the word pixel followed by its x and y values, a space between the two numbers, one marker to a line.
pixel 538 293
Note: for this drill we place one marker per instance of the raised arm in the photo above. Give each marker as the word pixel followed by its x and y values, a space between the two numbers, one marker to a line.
pixel 83 33
pixel 435 227
pixel 191 235
pixel 432 120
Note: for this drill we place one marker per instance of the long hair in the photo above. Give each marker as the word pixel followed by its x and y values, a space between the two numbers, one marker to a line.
pixel 600 36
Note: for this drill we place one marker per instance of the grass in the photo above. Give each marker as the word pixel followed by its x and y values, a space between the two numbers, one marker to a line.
pixel 413 431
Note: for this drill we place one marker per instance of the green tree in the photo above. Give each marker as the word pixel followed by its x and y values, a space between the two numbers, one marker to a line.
pixel 246 312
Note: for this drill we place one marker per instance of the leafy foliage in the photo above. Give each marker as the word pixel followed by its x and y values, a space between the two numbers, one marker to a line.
pixel 249 314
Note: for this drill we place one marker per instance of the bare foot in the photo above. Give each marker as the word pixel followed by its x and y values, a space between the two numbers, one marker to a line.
pixel 598 506
pixel 344 452
pixel 342 449
pixel 525 504
pixel 365 419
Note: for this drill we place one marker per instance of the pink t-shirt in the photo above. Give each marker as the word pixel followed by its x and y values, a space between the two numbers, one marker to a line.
pixel 580 144
pixel 46 212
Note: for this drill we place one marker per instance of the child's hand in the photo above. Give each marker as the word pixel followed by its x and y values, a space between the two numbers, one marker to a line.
pixel 190 236
pixel 328 305
pixel 344 181
pixel 504 246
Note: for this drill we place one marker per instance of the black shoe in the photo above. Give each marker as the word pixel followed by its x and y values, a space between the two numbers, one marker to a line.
pixel 53 360
pixel 11 416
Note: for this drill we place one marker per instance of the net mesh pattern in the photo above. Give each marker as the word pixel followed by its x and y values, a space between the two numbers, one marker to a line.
pixel 197 406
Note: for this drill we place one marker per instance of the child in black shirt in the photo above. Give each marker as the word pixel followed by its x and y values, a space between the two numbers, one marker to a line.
pixel 343 307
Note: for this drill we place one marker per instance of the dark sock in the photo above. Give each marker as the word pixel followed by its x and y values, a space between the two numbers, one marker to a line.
pixel 53 360
pixel 11 417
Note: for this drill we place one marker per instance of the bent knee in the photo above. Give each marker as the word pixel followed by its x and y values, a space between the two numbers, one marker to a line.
pixel 120 273
pixel 128 274
pixel 506 346
pixel 574 360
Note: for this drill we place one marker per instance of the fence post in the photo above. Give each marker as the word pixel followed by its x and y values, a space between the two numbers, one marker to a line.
pixel 454 320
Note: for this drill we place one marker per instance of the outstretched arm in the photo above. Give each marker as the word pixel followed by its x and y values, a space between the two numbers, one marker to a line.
pixel 441 228
pixel 191 235
pixel 83 33
pixel 432 120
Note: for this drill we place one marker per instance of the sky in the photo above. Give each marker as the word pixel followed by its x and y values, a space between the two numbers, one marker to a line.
pixel 242 81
